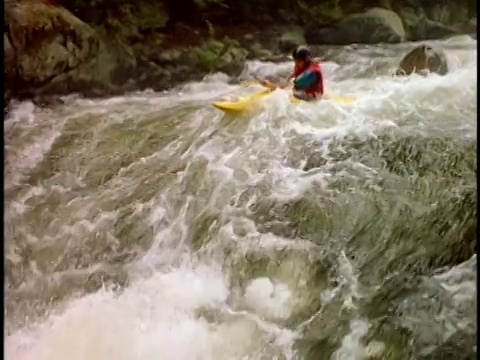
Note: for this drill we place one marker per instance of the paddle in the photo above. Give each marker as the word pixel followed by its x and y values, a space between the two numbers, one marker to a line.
pixel 265 83
pixel 272 87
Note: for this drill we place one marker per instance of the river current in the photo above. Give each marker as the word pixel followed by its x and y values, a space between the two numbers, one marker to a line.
pixel 152 226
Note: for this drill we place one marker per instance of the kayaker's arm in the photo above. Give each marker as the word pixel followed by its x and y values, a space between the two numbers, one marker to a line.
pixel 306 81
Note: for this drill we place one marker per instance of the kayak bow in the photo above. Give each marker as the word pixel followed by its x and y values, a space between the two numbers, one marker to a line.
pixel 253 102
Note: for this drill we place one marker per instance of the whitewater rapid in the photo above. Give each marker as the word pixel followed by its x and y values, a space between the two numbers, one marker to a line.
pixel 146 226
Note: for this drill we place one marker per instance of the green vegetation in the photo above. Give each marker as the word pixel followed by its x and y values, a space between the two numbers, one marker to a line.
pixel 130 19
pixel 147 16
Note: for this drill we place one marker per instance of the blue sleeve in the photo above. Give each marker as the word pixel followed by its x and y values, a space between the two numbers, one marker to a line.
pixel 306 80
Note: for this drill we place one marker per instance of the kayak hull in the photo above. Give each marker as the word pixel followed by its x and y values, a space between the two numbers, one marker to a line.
pixel 242 104
pixel 253 102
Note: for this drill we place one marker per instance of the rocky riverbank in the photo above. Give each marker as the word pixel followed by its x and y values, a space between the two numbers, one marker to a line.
pixel 56 49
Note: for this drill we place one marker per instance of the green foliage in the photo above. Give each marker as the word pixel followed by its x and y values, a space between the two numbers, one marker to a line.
pixel 127 18
pixel 207 55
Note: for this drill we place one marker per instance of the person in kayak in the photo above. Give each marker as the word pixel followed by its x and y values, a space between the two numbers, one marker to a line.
pixel 307 78
pixel 307 75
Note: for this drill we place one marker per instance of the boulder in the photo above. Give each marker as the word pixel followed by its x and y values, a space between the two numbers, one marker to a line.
pixel 47 40
pixel 423 59
pixel 436 30
pixel 376 25
pixel 55 52
pixel 419 27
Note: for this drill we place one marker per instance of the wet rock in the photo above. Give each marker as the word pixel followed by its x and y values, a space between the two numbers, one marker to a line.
pixel 46 41
pixel 49 51
pixel 56 53
pixel 423 59
pixel 376 25
pixel 290 39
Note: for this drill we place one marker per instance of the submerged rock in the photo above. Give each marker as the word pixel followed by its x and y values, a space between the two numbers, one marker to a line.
pixel 424 59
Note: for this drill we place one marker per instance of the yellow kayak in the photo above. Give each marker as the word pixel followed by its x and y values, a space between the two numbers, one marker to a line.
pixel 253 101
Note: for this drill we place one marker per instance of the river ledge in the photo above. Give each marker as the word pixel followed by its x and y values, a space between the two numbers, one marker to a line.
pixel 53 49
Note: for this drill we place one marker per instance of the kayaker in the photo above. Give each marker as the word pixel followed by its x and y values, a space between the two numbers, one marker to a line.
pixel 307 75
pixel 307 78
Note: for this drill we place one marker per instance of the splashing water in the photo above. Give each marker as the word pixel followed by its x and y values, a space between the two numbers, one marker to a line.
pixel 152 226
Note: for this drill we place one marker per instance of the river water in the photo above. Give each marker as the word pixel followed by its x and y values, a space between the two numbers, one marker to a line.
pixel 151 226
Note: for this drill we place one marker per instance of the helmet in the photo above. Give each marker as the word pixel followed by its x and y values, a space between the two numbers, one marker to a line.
pixel 302 53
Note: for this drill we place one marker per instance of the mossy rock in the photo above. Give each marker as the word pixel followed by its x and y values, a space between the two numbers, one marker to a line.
pixel 216 55
pixel 151 17
pixel 48 41
pixel 206 56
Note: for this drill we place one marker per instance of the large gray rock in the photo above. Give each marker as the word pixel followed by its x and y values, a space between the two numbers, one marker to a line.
pixel 423 59
pixel 376 25
pixel 55 52
pixel 48 40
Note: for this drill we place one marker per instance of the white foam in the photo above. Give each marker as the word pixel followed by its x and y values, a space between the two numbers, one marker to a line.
pixel 272 300
pixel 151 317
pixel 160 314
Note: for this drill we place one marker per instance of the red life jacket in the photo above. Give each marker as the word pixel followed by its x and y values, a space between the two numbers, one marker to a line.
pixel 315 67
